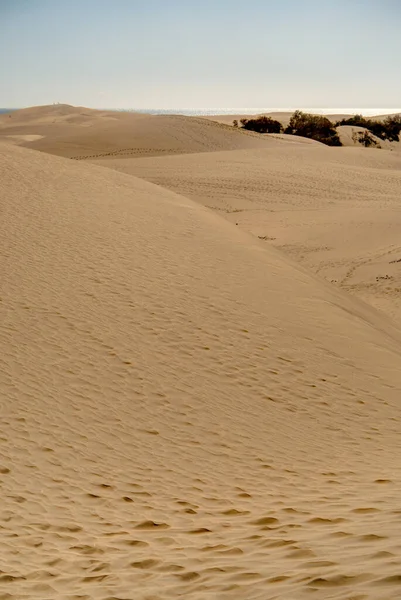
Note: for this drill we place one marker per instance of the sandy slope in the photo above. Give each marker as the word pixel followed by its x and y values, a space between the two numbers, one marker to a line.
pixel 345 131
pixel 350 135
pixel 186 414
pixel 57 114
pixel 80 133
pixel 379 117
pixel 337 210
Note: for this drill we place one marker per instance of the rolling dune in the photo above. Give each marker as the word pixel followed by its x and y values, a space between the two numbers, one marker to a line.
pixel 59 114
pixel 336 210
pixel 82 133
pixel 349 135
pixel 186 412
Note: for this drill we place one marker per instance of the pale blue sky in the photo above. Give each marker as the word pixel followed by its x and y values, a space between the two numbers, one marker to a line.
pixel 187 53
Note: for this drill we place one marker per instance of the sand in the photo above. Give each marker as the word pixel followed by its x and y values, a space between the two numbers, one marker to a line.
pixel 348 134
pixel 351 135
pixel 336 210
pixel 81 133
pixel 56 114
pixel 187 411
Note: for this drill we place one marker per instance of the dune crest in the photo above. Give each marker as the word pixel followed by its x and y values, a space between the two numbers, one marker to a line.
pixel 350 135
pixel 56 114
pixel 82 133
pixel 335 210
pixel 186 413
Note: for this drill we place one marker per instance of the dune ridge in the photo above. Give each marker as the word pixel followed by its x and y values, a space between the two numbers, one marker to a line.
pixel 56 114
pixel 349 135
pixel 81 133
pixel 336 210
pixel 186 412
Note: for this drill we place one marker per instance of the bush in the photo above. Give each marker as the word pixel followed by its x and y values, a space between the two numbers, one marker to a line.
pixel 315 127
pixel 356 120
pixel 262 125
pixel 392 127
pixel 365 138
pixel 388 129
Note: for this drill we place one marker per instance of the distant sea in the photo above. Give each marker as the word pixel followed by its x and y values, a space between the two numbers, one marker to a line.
pixel 199 112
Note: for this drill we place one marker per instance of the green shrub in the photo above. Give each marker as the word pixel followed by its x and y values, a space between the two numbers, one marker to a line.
pixel 262 125
pixel 392 127
pixel 315 127
pixel 388 129
pixel 365 138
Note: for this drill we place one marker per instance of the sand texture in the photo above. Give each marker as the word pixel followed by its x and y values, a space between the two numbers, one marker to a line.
pixel 85 133
pixel 336 210
pixel 353 136
pixel 187 411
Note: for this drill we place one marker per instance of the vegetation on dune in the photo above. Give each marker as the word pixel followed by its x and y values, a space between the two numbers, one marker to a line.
pixel 261 125
pixel 321 129
pixel 365 138
pixel 315 127
pixel 311 126
pixel 388 129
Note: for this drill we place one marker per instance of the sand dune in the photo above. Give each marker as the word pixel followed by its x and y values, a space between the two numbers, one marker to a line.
pixel 186 413
pixel 334 209
pixel 82 133
pixel 380 117
pixel 351 135
pixel 56 114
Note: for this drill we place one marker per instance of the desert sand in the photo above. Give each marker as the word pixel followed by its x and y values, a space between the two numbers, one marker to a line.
pixel 189 411
pixel 336 210
pixel 350 135
pixel 82 133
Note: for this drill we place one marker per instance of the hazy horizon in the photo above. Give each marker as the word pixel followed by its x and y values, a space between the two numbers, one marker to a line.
pixel 153 54
pixel 368 112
